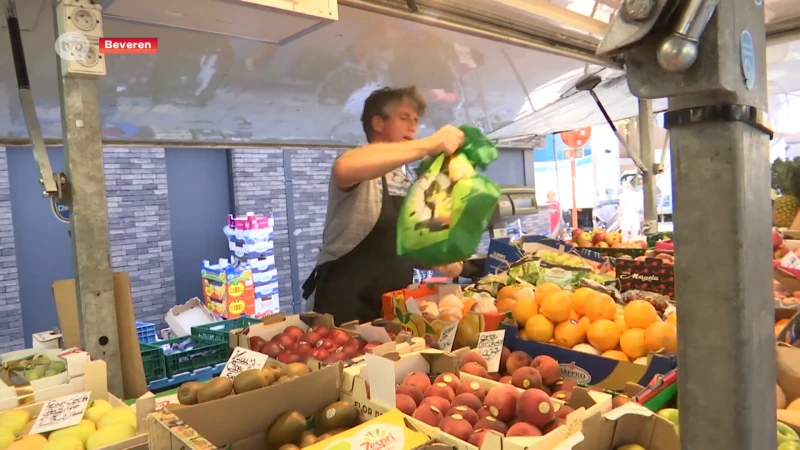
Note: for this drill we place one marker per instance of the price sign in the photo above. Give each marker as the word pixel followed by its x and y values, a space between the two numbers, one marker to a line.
pixel 61 412
pixel 243 359
pixel 791 261
pixel 490 346
pixel 447 337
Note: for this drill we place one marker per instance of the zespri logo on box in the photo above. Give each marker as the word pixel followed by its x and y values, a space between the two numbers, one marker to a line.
pixel 131 46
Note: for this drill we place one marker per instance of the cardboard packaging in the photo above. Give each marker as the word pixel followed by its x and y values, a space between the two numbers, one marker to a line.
pixel 503 252
pixel 628 424
pixel 651 274
pixel 396 306
pixel 593 370
pixel 15 392
pixel 203 427
pixel 183 317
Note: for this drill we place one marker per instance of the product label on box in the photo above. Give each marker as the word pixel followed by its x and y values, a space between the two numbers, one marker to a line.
pixel 791 261
pixel 243 359
pixel 61 412
pixel 576 373
pixel 490 346
pixel 377 437
pixel 650 275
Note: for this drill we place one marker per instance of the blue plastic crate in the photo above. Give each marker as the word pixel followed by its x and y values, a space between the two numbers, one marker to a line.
pixel 146 332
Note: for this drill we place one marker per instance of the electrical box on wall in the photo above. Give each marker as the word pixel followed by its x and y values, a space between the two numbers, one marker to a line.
pixel 80 27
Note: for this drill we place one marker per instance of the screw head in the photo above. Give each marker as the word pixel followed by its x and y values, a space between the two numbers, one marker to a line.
pixel 638 10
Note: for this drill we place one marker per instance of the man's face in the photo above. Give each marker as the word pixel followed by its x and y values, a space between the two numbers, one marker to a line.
pixel 400 125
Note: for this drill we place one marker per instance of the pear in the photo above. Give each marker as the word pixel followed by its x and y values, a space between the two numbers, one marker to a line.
pixel 81 431
pixel 63 443
pixel 96 410
pixel 29 442
pixel 58 366
pixel 120 414
pixel 15 420
pixel 6 437
pixel 110 435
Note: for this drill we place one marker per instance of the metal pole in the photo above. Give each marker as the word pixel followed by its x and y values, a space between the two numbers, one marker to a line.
pixel 647 153
pixel 723 271
pixel 83 154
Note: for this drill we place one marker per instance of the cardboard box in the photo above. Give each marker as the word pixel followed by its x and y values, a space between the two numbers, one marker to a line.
pixel 383 373
pixel 50 340
pixel 183 317
pixel 207 426
pixel 651 275
pixel 594 370
pixel 503 252
pixel 396 307
pixel 628 424
pixel 13 393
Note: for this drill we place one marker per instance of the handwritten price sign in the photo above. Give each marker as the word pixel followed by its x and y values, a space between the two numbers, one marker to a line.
pixel 447 337
pixel 61 412
pixel 243 359
pixel 490 346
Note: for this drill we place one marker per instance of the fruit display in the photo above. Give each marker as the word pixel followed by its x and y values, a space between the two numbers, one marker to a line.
pixel 467 411
pixel 522 371
pixel 592 322
pixel 328 345
pixel 193 392
pixel 779 248
pixel 786 181
pixel 33 368
pixel 289 430
pixel 103 425
pixel 599 238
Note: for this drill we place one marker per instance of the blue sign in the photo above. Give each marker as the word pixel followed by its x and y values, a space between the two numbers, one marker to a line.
pixel 748 57
pixel 60 209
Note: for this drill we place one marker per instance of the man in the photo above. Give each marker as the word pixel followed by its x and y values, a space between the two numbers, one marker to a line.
pixel 358 261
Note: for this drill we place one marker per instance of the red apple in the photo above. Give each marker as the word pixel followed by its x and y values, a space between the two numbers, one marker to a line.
pixel 303 348
pixel 599 236
pixel 256 342
pixel 319 354
pixel 320 330
pixel 295 332
pixel 311 337
pixel 271 349
pixel 777 240
pixel 339 337
pixel 584 237
pixel 575 233
pixel 602 245
pixel 327 344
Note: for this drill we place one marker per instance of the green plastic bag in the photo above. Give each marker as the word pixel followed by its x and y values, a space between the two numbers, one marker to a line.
pixel 448 208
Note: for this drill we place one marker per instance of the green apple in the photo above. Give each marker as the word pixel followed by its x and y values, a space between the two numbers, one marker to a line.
pixel 786 433
pixel 669 414
pixel 790 445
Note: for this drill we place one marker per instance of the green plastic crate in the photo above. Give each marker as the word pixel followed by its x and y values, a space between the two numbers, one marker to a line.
pixel 204 354
pixel 218 331
pixel 652 239
pixel 153 362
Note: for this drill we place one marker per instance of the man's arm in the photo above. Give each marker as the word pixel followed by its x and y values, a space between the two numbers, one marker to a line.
pixel 376 160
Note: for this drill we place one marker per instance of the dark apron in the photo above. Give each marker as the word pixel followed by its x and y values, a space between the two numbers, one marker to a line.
pixel 351 287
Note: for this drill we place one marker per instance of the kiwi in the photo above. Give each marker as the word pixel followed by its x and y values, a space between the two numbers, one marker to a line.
pixel 249 380
pixel 187 393
pixel 308 440
pixel 341 414
pixel 279 369
pixel 337 431
pixel 215 389
pixel 288 428
pixel 324 436
pixel 270 375
pixel 297 369
pixel 286 379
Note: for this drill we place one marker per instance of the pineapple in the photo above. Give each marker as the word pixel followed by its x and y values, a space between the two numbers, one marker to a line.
pixel 786 180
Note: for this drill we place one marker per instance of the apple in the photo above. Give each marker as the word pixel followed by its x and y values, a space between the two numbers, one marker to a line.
pixel 584 237
pixel 617 245
pixel 602 244
pixel 669 414
pixel 586 244
pixel 777 240
pixel 780 253
pixel 599 237
pixel 613 238
pixel 786 434
pixel 789 445
pixel 575 233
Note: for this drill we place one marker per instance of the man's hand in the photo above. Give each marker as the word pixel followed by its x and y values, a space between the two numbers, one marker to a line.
pixel 451 270
pixel 446 140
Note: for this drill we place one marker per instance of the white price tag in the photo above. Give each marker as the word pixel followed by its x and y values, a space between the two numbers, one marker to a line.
pixel 791 261
pixel 243 359
pixel 412 307
pixel 61 412
pixel 490 346
pixel 371 333
pixel 447 337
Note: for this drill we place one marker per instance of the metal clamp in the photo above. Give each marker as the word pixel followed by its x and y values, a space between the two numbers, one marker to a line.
pixel 750 115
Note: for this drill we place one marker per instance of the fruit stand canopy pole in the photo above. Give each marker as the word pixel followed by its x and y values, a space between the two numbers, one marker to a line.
pixel 726 350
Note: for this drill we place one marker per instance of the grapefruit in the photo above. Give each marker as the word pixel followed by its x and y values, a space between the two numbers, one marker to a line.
pixel 603 334
pixel 556 306
pixel 661 336
pixel 640 314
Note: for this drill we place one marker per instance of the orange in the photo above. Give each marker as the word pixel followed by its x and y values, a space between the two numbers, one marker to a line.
pixel 524 309
pixel 584 322
pixel 545 288
pixel 672 318
pixel 616 354
pixel 782 322
pixel 632 343
pixel 573 315
pixel 539 328
pixel 579 298
pixel 556 306
pixel 569 334
pixel 661 336
pixel 603 334
pixel 620 321
pixel 601 306
pixel 640 314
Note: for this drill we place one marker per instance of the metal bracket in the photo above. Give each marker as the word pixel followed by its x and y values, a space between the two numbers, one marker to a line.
pixel 750 115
